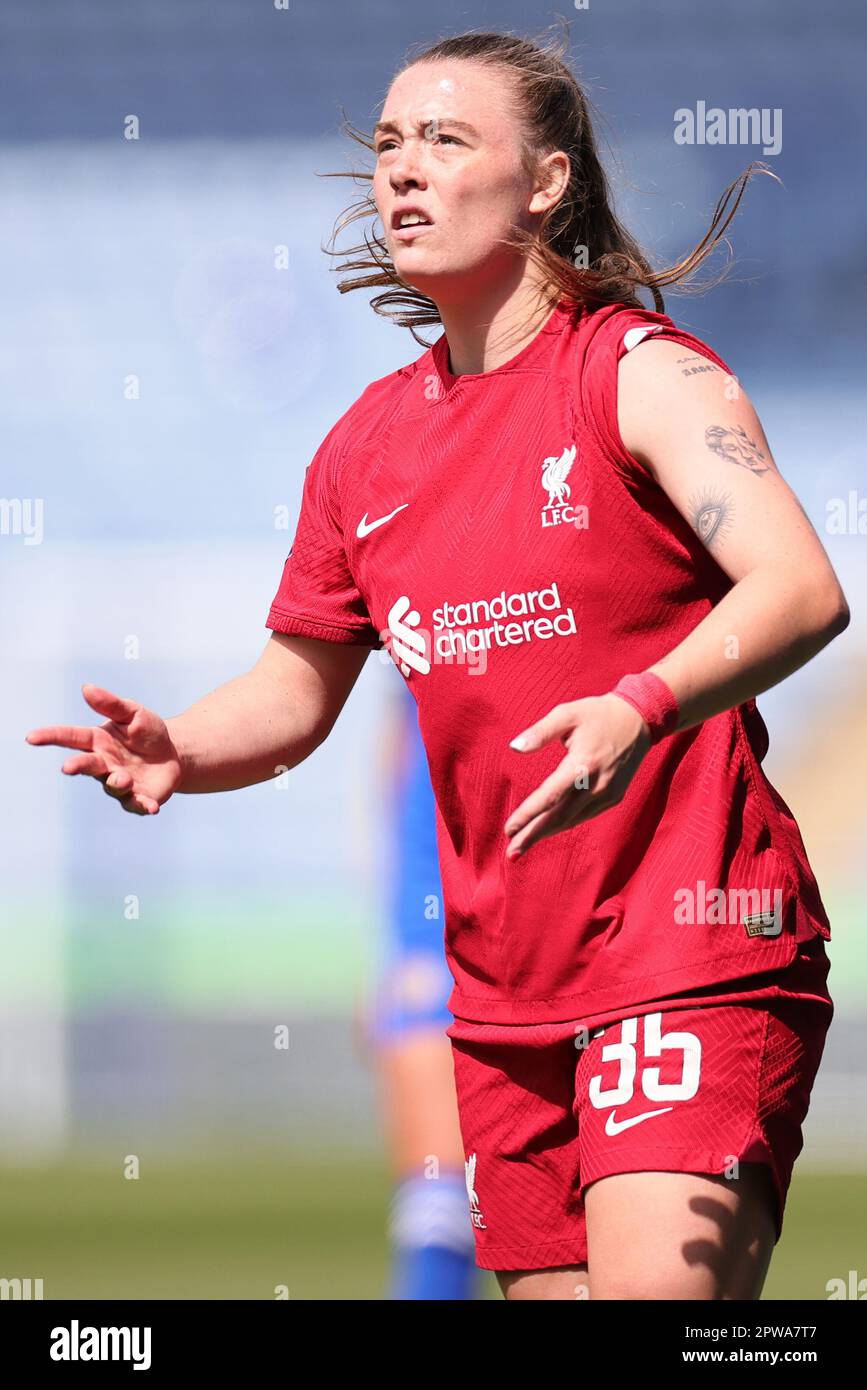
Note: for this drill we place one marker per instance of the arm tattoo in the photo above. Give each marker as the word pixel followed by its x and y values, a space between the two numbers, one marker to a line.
pixel 735 446
pixel 710 515
pixel 702 366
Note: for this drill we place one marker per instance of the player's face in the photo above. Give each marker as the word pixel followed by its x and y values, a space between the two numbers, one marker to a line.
pixel 468 182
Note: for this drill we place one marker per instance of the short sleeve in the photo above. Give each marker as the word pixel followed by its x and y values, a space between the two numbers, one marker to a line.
pixel 318 596
pixel 619 332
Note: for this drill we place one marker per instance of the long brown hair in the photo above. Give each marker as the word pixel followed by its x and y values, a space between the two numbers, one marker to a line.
pixel 582 225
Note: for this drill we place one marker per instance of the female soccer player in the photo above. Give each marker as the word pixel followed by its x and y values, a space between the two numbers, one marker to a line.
pixel 565 523
pixel 405 1027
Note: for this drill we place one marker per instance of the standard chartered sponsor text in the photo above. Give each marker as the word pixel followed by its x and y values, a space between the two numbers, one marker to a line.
pixel 505 620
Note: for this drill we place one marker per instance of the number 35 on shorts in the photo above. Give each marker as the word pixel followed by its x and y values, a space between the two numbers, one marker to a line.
pixel 627 1071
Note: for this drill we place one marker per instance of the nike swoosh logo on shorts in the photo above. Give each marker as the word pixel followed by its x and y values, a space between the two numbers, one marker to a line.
pixel 613 1126
pixel 365 526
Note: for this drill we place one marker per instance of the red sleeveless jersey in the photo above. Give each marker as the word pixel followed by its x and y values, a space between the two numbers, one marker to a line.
pixel 491 532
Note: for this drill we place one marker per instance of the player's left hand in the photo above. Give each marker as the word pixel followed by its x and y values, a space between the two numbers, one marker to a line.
pixel 606 740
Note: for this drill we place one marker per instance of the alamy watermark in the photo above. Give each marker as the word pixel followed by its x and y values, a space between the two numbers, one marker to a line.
pixel 738 125
pixel 22 516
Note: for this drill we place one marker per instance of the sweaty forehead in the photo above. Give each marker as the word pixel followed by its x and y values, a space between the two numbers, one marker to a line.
pixel 467 91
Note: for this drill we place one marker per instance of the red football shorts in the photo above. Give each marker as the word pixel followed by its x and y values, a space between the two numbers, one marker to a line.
pixel 677 1086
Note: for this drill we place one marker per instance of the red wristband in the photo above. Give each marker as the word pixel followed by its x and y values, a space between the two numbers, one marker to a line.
pixel 653 700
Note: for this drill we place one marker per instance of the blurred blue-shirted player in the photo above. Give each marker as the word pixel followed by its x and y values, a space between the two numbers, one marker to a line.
pixel 429 1227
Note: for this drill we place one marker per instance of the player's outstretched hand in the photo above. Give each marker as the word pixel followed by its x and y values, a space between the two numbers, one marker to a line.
pixel 132 753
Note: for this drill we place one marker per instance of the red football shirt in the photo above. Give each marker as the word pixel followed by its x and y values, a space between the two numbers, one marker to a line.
pixel 492 533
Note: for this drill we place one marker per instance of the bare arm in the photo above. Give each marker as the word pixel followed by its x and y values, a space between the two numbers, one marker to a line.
pixel 270 718
pixel 710 455
pixel 242 733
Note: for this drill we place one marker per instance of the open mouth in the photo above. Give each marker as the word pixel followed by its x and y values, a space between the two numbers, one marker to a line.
pixel 409 222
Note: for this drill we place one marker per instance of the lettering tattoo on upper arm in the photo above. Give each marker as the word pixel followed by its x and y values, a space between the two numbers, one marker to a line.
pixel 710 514
pixel 735 446
pixel 702 365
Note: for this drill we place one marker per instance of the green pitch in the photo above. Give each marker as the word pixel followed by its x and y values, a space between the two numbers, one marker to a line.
pixel 206 1227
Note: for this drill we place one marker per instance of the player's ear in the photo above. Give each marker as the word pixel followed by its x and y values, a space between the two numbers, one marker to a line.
pixel 551 182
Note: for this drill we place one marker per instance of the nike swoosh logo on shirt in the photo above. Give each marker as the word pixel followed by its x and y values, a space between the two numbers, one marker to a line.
pixel 365 526
pixel 613 1126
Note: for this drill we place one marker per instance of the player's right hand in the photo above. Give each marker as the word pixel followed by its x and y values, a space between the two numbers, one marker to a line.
pixel 132 753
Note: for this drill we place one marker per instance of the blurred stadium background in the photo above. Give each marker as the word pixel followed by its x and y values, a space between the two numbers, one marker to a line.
pixel 163 390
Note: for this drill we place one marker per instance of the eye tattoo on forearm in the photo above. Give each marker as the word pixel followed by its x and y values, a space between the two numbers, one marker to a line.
pixel 735 446
pixel 710 515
